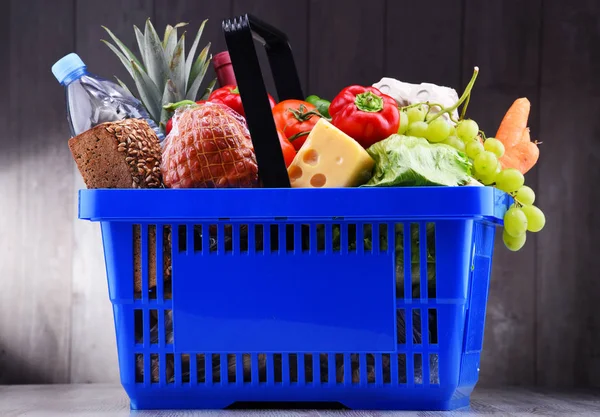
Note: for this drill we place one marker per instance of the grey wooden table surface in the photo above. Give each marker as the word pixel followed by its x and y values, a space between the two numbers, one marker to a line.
pixel 110 400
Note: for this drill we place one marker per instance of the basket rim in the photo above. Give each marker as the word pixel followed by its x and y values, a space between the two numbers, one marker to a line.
pixel 307 204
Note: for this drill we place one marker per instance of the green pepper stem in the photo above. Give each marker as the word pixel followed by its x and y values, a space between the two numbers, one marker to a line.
pixel 466 94
pixel 369 102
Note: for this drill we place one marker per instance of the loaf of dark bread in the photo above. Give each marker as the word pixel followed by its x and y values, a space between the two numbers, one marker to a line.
pixel 123 154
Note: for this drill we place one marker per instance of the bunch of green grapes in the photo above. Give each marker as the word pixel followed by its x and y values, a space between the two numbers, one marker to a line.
pixel 464 135
pixel 415 121
pixel 523 216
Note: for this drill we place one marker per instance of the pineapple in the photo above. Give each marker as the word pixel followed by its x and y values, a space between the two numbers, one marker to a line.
pixel 164 75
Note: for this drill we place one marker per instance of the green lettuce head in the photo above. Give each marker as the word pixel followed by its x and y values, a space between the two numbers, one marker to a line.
pixel 409 161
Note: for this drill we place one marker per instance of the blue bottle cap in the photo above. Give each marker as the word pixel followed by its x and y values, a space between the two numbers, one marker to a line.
pixel 66 65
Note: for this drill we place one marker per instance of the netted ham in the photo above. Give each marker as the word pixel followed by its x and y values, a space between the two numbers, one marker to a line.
pixel 209 147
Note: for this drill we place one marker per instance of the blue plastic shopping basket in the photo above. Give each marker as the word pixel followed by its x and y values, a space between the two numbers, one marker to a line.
pixel 369 297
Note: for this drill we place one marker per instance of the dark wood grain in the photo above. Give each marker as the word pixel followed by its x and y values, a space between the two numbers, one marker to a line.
pixel 194 12
pixel 416 52
pixel 346 39
pixel 290 17
pixel 569 171
pixel 36 198
pixel 502 38
pixel 9 153
pixel 542 325
pixel 8 147
pixel 93 348
pixel 119 17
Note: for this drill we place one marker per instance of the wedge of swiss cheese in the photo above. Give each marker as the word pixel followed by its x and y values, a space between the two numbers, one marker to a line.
pixel 330 158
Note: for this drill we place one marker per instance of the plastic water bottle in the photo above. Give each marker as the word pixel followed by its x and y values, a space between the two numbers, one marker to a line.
pixel 92 100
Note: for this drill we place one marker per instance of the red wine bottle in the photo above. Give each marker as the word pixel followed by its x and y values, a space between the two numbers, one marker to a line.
pixel 224 69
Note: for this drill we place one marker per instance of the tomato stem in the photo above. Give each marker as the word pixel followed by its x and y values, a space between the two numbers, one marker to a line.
pixel 297 135
pixel 302 114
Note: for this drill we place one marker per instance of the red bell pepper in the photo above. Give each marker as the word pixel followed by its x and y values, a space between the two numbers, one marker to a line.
pixel 229 95
pixel 365 114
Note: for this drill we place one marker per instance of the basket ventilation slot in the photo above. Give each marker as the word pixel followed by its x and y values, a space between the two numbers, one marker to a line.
pixel 298 369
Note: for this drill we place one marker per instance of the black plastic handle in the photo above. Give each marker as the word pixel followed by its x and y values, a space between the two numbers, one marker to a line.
pixel 240 33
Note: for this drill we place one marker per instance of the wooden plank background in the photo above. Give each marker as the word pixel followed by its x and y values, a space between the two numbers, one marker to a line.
pixel 542 327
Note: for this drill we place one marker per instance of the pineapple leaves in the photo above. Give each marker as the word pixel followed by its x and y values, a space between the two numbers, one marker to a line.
pixel 168 30
pixel 169 96
pixel 126 62
pixel 190 58
pixel 163 73
pixel 198 65
pixel 124 86
pixel 141 41
pixel 193 90
pixel 208 89
pixel 177 66
pixel 126 51
pixel 149 93
pixel 157 65
pixel 170 39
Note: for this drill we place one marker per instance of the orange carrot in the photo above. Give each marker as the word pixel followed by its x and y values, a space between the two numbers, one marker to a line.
pixel 521 153
pixel 514 122
pixel 523 156
pixel 528 153
pixel 525 136
pixel 510 161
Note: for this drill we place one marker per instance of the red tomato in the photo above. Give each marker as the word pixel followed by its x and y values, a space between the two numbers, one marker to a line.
pixel 289 152
pixel 229 95
pixel 295 118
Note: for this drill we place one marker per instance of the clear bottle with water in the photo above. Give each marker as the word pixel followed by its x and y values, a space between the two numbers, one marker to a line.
pixel 92 100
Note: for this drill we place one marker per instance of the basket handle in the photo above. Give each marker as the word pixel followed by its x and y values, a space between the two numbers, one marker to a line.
pixel 239 34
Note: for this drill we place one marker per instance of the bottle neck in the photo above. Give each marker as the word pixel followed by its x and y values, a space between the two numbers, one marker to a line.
pixel 74 75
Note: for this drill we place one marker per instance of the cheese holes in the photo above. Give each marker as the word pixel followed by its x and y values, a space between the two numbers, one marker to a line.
pixel 318 180
pixel 295 172
pixel 311 157
pixel 339 160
